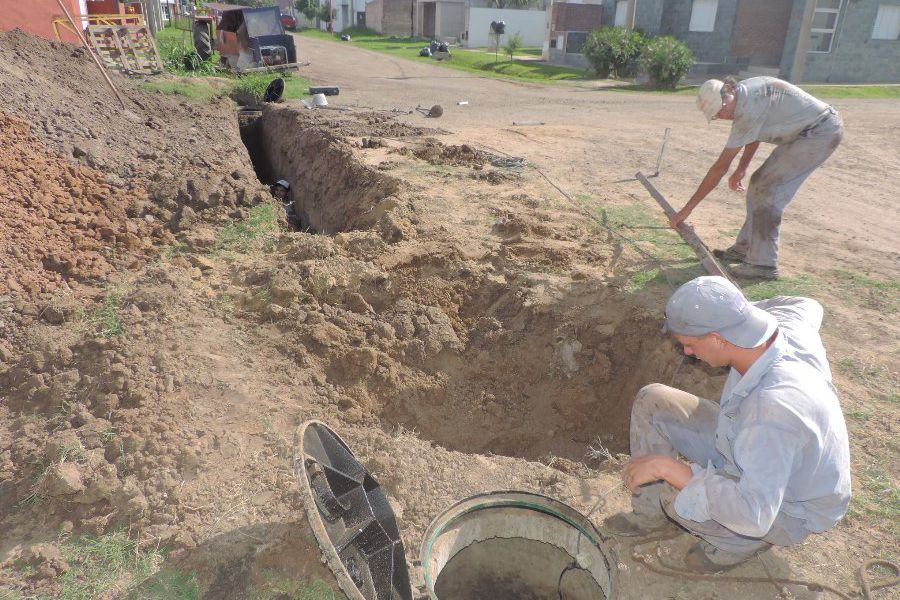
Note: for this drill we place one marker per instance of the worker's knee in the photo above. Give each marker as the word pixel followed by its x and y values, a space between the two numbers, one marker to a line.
pixel 649 399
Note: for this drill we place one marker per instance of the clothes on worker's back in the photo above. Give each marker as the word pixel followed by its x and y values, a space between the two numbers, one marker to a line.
pixel 775 183
pixel 780 442
pixel 773 111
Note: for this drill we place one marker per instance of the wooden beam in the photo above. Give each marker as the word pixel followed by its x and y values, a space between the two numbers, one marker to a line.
pixel 686 232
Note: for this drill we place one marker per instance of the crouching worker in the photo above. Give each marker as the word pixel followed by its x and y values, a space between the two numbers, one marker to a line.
pixel 770 463
pixel 282 192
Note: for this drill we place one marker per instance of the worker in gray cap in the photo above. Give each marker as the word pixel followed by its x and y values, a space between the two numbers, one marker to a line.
pixel 770 463
pixel 806 132
pixel 281 191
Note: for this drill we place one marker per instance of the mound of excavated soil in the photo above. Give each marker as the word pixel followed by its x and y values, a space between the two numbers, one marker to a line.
pixel 60 221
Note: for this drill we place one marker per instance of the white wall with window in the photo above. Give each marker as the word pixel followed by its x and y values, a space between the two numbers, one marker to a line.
pixel 887 23
pixel 703 15
pixel 824 24
pixel 621 13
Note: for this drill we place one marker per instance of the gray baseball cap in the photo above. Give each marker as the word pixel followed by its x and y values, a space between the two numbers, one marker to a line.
pixel 714 304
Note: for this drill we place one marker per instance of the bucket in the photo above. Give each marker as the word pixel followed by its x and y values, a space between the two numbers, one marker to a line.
pixel 320 100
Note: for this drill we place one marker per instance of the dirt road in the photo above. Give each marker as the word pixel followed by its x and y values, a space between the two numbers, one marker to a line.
pixel 594 140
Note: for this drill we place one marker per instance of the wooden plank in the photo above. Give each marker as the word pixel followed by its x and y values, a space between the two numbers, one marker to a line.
pixel 134 46
pixel 126 64
pixel 686 232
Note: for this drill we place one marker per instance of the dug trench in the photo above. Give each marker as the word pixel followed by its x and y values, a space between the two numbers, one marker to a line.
pixel 466 347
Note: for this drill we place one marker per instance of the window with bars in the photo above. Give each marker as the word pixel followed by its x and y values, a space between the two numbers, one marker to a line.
pixel 887 23
pixel 824 24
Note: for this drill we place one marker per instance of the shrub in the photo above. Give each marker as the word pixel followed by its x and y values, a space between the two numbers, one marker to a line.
pixel 666 61
pixel 513 43
pixel 613 51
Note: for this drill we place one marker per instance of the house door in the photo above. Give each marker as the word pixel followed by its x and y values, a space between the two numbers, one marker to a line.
pixel 760 28
pixel 428 16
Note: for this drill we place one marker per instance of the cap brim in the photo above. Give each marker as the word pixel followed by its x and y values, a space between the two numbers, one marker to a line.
pixel 753 332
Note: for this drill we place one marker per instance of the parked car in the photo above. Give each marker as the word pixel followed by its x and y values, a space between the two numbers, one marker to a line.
pixel 289 22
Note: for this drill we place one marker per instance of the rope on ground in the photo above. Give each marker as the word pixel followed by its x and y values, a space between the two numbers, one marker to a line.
pixel 866 587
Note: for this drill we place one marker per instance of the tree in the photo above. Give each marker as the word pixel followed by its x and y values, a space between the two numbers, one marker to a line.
pixel 666 61
pixel 513 43
pixel 308 8
pixel 613 51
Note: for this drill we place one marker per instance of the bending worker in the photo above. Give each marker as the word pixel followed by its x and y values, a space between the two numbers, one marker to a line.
pixel 770 463
pixel 281 191
pixel 764 109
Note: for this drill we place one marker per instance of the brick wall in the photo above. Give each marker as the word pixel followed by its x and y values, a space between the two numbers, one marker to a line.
pixel 576 17
pixel 760 29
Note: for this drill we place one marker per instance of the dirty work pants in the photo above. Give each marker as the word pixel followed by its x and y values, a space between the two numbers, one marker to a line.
pixel 668 421
pixel 773 185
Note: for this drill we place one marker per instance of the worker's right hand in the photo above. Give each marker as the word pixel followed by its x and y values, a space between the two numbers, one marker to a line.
pixel 735 182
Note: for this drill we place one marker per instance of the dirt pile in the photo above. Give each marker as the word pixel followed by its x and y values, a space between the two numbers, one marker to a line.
pixel 162 150
pixel 61 223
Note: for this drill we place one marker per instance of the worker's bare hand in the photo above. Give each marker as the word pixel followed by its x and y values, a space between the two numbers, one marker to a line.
pixel 736 182
pixel 641 470
pixel 679 217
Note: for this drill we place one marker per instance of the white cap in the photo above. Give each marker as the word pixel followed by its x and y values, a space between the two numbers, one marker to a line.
pixel 709 99
pixel 283 183
pixel 714 304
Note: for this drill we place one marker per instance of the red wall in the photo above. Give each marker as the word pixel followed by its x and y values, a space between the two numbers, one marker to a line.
pixel 35 16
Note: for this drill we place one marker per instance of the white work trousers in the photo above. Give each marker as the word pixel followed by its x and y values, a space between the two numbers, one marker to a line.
pixel 665 420
pixel 774 184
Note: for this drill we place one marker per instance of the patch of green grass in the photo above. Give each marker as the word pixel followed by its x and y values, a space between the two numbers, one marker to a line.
pixel 878 497
pixel 473 61
pixel 257 230
pixel 642 279
pixel 882 295
pixel 802 285
pixel 104 320
pixel 278 587
pixel 640 224
pixel 869 92
pixel 858 415
pixel 255 84
pixel 112 565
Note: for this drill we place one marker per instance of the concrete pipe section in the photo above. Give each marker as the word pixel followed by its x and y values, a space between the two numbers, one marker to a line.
pixel 501 545
pixel 515 545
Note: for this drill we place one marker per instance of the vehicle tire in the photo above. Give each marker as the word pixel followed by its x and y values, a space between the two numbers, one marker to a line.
pixel 202 41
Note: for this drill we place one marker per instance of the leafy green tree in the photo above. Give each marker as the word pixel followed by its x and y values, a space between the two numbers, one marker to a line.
pixel 308 8
pixel 666 61
pixel 613 51
pixel 513 43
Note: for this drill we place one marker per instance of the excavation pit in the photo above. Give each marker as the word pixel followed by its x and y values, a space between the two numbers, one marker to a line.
pixel 332 190
pixel 515 545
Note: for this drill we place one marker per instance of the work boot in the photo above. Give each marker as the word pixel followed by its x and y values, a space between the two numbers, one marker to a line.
pixel 748 271
pixel 732 254
pixel 703 557
pixel 631 524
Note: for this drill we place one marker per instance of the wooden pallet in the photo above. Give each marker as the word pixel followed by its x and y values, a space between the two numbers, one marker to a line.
pixel 128 48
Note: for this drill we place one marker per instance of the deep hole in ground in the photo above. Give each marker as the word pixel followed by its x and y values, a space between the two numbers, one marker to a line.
pixel 331 191
pixel 515 568
pixel 487 363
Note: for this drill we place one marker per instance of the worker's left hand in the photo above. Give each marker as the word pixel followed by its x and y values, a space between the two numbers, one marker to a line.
pixel 679 217
pixel 736 182
pixel 641 470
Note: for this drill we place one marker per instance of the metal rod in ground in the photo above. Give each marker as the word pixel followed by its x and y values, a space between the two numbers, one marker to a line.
pixel 91 52
pixel 686 232
pixel 662 151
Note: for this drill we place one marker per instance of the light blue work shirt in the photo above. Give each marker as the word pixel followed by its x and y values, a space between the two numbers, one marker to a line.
pixel 781 436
